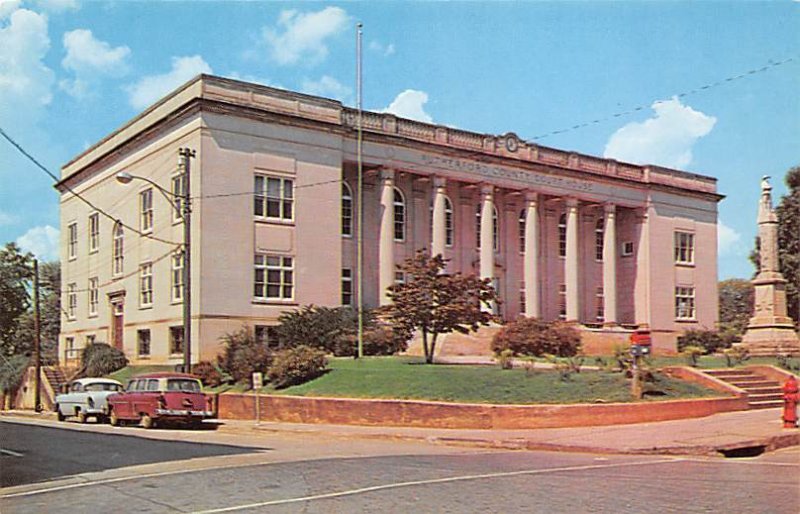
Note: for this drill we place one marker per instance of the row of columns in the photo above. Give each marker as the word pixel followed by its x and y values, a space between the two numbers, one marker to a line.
pixel 531 271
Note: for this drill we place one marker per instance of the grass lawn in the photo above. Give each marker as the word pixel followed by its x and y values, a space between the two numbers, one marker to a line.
pixel 407 378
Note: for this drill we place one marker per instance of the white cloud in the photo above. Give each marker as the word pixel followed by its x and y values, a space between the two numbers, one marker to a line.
pixel 7 7
pixel 410 104
pixel 89 58
pixel 328 87
pixel 151 88
pixel 385 50
pixel 41 241
pixel 728 240
pixel 25 82
pixel 665 139
pixel 304 35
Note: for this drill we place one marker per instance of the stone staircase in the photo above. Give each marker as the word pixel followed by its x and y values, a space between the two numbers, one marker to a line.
pixel 55 377
pixel 763 393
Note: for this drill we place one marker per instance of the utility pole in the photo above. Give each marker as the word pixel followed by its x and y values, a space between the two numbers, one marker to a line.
pixel 184 162
pixel 37 340
pixel 360 212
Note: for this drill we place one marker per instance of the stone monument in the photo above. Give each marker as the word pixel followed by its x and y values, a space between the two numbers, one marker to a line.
pixel 771 330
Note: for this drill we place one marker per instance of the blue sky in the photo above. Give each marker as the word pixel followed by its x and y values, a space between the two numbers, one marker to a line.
pixel 71 72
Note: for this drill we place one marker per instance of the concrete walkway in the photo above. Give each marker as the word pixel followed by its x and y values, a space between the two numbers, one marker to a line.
pixel 760 430
pixel 755 430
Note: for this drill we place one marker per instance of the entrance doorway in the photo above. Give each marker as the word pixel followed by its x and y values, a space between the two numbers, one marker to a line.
pixel 117 321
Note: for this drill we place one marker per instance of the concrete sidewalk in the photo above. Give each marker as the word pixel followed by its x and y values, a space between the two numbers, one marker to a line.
pixel 746 431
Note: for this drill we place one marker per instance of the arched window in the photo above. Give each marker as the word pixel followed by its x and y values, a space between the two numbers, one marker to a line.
pixel 399 216
pixel 598 239
pixel 562 235
pixel 119 248
pixel 495 227
pixel 347 210
pixel 522 215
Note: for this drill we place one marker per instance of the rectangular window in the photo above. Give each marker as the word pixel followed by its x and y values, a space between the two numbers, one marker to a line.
pixel 274 277
pixel 347 286
pixel 175 340
pixel 267 335
pixel 178 192
pixel 146 210
pixel 177 276
pixel 522 305
pixel 72 233
pixel 684 303
pixel 143 343
pixel 94 232
pixel 684 248
pixel 599 301
pixel 562 301
pixel 94 295
pixel 273 198
pixel 90 339
pixel 70 352
pixel 72 301
pixel 146 285
pixel 627 248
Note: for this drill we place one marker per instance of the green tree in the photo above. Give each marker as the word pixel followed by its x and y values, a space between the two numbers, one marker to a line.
pixel 735 304
pixel 49 313
pixel 15 272
pixel 788 212
pixel 435 302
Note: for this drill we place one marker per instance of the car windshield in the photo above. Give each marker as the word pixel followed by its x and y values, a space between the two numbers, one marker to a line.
pixel 103 387
pixel 183 384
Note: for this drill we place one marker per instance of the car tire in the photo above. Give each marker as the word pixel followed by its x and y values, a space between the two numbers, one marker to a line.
pixel 147 422
pixel 81 417
pixel 113 420
pixel 60 415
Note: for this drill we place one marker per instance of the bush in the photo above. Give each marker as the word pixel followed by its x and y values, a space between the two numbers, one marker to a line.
pixel 709 340
pixel 331 329
pixel 100 359
pixel 12 370
pixel 504 359
pixel 296 365
pixel 736 356
pixel 242 355
pixel 208 373
pixel 379 340
pixel 532 337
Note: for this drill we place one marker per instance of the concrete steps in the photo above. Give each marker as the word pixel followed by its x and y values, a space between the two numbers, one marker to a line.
pixel 762 392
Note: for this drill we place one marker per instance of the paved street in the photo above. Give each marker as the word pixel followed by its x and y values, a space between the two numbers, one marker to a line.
pixel 290 473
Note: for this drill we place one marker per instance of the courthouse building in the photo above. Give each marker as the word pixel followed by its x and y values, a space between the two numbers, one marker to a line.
pixel 274 188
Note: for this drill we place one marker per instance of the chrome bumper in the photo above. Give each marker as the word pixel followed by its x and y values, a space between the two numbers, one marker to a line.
pixel 185 413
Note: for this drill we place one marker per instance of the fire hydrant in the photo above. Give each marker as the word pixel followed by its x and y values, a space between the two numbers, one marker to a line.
pixel 790 399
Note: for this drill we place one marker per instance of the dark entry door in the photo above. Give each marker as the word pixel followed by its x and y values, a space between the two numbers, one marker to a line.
pixel 117 308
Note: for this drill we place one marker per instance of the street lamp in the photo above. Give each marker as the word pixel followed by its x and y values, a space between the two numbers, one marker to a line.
pixel 123 177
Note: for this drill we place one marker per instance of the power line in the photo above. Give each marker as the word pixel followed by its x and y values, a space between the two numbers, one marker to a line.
pixel 251 192
pixel 770 65
pixel 78 195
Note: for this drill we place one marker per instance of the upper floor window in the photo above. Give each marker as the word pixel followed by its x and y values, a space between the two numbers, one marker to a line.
pixel 347 210
pixel 562 235
pixel 399 206
pixel 177 276
pixel 274 198
pixel 521 226
pixel 119 247
pixel 146 285
pixel 94 232
pixel 684 303
pixel 599 227
pixel 94 295
pixel 178 194
pixel 72 234
pixel 274 277
pixel 495 227
pixel 684 248
pixel 146 210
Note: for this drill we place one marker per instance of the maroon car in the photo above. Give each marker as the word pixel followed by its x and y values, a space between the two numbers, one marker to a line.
pixel 160 398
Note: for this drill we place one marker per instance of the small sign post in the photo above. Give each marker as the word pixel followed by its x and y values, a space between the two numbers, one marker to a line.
pixel 258 383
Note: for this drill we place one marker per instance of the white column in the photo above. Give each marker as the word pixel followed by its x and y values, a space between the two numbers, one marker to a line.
pixel 487 240
pixel 610 265
pixel 531 263
pixel 438 236
pixel 386 236
pixel 571 264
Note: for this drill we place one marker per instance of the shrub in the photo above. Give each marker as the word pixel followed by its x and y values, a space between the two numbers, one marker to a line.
pixel 736 355
pixel 208 373
pixel 99 359
pixel 692 354
pixel 532 337
pixel 294 366
pixel 383 340
pixel 504 359
pixel 709 341
pixel 331 329
pixel 12 370
pixel 242 355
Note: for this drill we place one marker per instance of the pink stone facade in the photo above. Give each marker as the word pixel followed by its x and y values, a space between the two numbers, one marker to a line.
pixel 607 244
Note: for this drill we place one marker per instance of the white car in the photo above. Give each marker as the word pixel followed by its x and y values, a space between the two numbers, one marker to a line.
pixel 87 397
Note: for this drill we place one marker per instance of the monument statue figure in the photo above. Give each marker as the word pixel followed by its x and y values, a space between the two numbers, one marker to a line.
pixel 770 330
